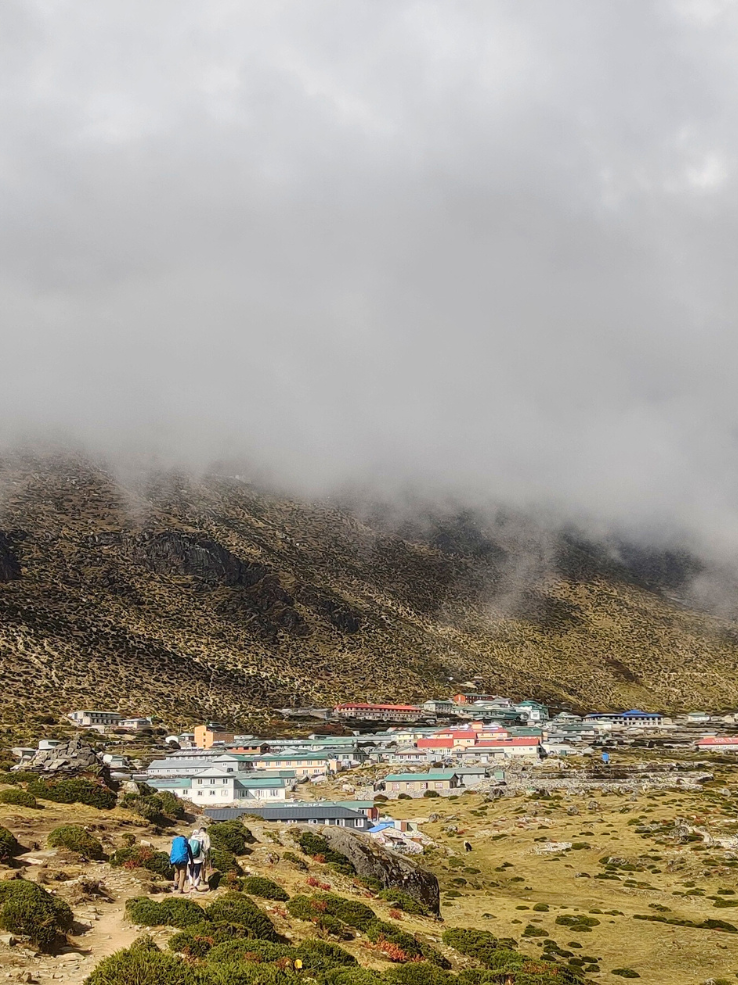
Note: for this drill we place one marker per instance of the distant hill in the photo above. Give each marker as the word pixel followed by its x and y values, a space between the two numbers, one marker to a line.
pixel 204 597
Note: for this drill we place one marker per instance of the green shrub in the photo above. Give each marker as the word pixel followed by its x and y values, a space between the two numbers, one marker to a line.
pixel 248 973
pixel 419 973
pixel 295 860
pixel 29 910
pixel 224 861
pixel 315 845
pixel 18 797
pixel 540 907
pixel 9 847
pixel 578 922
pixel 76 790
pixel 351 976
pixel 431 793
pixel 18 776
pixel 198 939
pixel 239 909
pixel 625 973
pixel 350 912
pixel 263 887
pixel 479 944
pixel 172 806
pixel 74 838
pixel 409 944
pixel 251 949
pixel 141 966
pixel 317 955
pixel 143 857
pixel 231 836
pixel 401 900
pixel 173 912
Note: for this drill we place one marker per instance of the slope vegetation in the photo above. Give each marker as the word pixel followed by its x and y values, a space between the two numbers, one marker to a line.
pixel 192 597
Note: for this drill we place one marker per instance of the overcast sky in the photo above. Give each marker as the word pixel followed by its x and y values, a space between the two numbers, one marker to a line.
pixel 488 248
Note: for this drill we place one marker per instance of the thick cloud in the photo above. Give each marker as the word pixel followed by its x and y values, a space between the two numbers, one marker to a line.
pixel 487 247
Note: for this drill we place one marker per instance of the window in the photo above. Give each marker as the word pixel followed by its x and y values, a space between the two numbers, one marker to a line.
pixel 212 793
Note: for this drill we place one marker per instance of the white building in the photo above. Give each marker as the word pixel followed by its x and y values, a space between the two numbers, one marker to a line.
pixel 214 786
pixel 94 719
pixel 185 766
pixel 134 724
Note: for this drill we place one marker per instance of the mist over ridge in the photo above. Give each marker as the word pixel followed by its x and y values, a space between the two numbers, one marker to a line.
pixel 483 253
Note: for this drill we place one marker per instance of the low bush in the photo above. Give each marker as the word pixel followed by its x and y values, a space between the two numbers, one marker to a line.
pixel 431 793
pixel 199 939
pixel 350 912
pixel 263 887
pixel 479 944
pixel 318 847
pixel 231 836
pixel 76 790
pixel 710 924
pixel 295 860
pixel 578 922
pixel 249 949
pixel 29 910
pixel 18 797
pixel 144 967
pixel 401 900
pixel 74 838
pixel 9 847
pixel 625 973
pixel 174 912
pixel 235 908
pixel 224 861
pixel 419 973
pixel 143 857
pixel 403 946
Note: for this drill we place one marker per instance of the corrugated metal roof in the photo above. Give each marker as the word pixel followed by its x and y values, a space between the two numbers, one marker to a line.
pixel 287 812
pixel 411 777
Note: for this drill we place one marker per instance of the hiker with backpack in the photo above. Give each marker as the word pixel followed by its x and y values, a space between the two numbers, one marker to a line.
pixel 180 857
pixel 199 851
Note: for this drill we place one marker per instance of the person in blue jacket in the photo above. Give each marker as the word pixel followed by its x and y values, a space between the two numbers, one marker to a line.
pixel 180 856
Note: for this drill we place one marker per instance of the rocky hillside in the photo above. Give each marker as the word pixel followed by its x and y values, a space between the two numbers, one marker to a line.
pixel 192 597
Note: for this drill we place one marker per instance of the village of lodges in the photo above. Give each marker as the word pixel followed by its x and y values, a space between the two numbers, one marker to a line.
pixel 439 748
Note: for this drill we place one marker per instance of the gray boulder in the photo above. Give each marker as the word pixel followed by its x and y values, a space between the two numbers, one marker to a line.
pixel 75 756
pixel 394 871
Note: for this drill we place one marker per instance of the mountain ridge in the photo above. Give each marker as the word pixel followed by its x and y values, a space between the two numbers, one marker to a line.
pixel 193 597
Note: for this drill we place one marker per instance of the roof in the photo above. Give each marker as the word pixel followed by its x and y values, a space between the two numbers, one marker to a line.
pixel 287 812
pixel 503 743
pixel 280 757
pixel 255 782
pixel 633 713
pixel 718 740
pixel 382 826
pixel 366 706
pixel 412 777
pixel 169 781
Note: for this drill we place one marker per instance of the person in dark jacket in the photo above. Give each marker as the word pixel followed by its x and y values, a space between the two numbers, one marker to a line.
pixel 180 856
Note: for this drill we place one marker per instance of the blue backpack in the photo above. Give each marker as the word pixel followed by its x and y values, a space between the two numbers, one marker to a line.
pixel 178 854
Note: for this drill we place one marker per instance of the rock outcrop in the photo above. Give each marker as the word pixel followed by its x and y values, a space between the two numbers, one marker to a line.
pixel 75 756
pixel 392 870
pixel 10 568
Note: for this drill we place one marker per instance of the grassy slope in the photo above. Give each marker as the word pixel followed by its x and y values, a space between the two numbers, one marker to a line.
pixel 97 617
pixel 662 954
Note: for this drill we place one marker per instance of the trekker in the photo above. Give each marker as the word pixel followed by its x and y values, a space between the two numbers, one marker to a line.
pixel 199 850
pixel 180 856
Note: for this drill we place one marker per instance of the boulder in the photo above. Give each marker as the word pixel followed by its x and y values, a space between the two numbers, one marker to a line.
pixel 391 869
pixel 75 756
